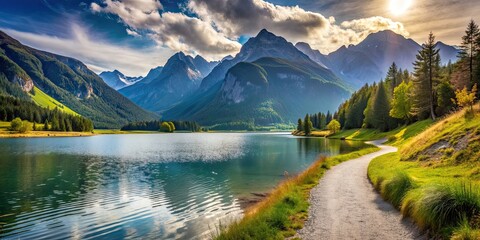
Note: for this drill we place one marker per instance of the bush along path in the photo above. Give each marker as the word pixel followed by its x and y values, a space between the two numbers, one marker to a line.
pixel 345 205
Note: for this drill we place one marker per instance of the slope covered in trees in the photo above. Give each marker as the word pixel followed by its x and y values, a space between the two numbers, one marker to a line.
pixel 432 90
pixel 54 120
pixel 67 80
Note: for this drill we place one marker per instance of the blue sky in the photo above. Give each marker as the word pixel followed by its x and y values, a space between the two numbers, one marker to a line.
pixel 136 35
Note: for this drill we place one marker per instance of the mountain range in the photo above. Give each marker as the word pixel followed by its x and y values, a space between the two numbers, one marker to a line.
pixel 369 61
pixel 117 80
pixel 68 81
pixel 269 81
pixel 179 78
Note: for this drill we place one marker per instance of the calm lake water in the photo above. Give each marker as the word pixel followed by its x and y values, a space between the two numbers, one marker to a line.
pixel 163 186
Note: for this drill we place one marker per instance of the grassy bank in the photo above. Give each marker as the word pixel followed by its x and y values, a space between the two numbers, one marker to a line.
pixel 395 137
pixel 435 177
pixel 314 133
pixel 285 209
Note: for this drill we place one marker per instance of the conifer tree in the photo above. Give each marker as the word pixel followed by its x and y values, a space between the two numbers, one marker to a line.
pixel 46 126
pixel 300 125
pixel 307 125
pixel 470 50
pixel 380 109
pixel 426 74
pixel 393 76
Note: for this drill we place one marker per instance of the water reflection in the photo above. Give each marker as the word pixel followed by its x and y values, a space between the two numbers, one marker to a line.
pixel 150 186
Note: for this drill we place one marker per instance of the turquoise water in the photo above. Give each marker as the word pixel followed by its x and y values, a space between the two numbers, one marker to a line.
pixel 163 186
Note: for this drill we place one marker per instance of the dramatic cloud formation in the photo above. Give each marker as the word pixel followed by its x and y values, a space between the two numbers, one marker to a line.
pixel 446 18
pixel 240 17
pixel 99 56
pixel 174 30
pixel 221 22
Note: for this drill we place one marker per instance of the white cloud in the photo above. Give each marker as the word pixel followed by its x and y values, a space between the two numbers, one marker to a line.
pixel 174 30
pixel 246 17
pixel 96 54
pixel 221 22
pixel 132 33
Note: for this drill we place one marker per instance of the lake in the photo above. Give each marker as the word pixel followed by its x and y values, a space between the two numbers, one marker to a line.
pixel 163 186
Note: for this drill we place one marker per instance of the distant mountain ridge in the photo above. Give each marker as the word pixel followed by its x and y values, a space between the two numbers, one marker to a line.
pixel 265 44
pixel 69 81
pixel 117 80
pixel 368 61
pixel 179 78
pixel 264 92
pixel 269 81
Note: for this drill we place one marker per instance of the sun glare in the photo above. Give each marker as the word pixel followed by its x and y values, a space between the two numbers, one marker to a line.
pixel 399 7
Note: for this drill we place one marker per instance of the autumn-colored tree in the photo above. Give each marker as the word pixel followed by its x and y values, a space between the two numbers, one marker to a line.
pixel 334 126
pixel 466 98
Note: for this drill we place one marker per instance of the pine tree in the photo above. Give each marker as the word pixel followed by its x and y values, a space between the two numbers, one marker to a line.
pixel 307 125
pixel 34 126
pixel 470 49
pixel 426 74
pixel 46 127
pixel 329 117
pixel 393 77
pixel 381 109
pixel 300 125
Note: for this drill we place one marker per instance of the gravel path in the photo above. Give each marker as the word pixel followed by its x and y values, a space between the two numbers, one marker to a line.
pixel 344 205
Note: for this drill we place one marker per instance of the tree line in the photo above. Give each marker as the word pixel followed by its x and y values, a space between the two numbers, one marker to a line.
pixel 403 97
pixel 164 126
pixel 53 120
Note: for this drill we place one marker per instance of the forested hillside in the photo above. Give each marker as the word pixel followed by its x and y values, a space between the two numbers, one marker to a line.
pixel 431 91
pixel 67 80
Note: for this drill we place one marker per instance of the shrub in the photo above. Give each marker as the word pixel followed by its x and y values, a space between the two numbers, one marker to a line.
pixel 465 232
pixel 20 126
pixel 441 207
pixel 15 124
pixel 395 189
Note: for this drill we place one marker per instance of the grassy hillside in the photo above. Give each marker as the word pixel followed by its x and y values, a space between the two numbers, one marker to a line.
pixel 44 100
pixel 435 177
pixel 394 137
pixel 68 81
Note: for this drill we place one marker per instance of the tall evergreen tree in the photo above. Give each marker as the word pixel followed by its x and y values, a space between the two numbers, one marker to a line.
pixel 307 125
pixel 381 108
pixel 470 50
pixel 300 125
pixel 393 77
pixel 426 74
pixel 329 117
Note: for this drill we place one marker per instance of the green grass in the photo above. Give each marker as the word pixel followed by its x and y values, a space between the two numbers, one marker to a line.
pixel 4 126
pixel 438 188
pixel 284 211
pixel 395 137
pixel 44 100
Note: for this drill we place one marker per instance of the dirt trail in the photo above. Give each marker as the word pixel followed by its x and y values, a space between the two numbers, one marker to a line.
pixel 344 205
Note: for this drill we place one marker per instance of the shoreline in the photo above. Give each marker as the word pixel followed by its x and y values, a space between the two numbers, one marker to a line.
pixel 47 134
pixel 286 203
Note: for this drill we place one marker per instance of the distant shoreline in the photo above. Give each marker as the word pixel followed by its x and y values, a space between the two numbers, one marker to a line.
pixel 47 134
